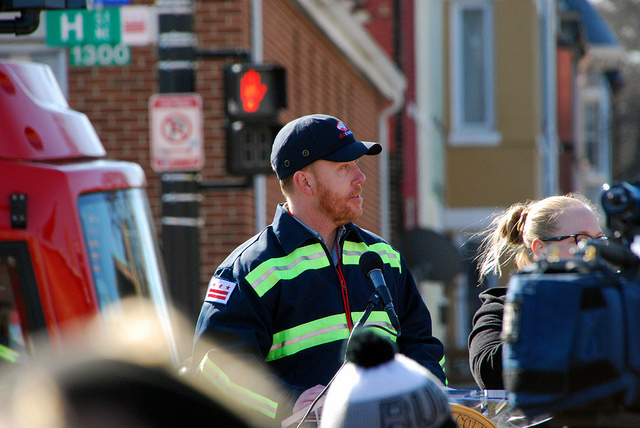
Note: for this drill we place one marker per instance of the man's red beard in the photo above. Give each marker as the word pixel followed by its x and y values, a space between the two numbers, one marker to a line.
pixel 340 209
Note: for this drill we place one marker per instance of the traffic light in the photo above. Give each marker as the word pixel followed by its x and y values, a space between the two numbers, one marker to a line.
pixel 253 95
pixel 254 91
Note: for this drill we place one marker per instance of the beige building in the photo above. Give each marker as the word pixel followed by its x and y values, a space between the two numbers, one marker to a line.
pixel 526 105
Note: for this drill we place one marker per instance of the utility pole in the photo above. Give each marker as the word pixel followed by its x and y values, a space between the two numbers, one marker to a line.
pixel 180 190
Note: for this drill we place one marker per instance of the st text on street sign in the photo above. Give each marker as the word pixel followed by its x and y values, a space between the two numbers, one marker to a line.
pixel 176 132
pixel 81 27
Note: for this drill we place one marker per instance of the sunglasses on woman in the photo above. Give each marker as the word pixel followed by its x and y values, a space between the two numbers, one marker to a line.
pixel 577 237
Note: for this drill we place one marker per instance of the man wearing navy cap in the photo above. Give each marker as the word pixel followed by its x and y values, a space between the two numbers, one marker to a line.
pixel 289 296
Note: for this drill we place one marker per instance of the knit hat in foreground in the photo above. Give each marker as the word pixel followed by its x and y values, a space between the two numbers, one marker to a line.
pixel 379 387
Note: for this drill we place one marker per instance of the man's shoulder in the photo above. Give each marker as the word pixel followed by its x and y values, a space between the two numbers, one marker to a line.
pixel 259 246
pixel 358 233
pixel 371 240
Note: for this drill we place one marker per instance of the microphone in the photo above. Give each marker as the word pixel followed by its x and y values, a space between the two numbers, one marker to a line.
pixel 371 266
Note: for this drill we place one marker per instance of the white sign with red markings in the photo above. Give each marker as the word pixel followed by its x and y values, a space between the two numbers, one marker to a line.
pixel 176 132
pixel 138 25
pixel 219 290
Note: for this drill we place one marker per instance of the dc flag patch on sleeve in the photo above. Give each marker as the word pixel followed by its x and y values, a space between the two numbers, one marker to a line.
pixel 219 290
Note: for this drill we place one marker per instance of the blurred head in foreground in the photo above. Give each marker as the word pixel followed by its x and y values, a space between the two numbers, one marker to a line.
pixel 379 387
pixel 108 393
pixel 116 371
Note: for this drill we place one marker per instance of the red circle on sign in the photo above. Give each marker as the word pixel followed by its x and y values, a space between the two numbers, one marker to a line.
pixel 176 128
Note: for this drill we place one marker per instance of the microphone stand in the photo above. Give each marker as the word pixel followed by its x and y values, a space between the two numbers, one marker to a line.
pixel 371 304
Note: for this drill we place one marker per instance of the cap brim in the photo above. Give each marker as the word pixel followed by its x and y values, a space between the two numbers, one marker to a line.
pixel 353 151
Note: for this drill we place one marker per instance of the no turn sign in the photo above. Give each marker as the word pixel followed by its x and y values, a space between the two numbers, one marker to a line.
pixel 176 132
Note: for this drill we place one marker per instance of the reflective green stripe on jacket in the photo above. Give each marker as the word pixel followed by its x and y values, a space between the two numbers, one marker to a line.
pixel 269 273
pixel 8 354
pixel 214 374
pixel 353 250
pixel 312 257
pixel 314 333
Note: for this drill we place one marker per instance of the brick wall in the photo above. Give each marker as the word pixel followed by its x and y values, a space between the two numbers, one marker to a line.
pixel 319 79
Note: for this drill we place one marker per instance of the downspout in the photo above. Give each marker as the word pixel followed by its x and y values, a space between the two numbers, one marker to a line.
pixel 383 177
pixel 397 102
pixel 550 182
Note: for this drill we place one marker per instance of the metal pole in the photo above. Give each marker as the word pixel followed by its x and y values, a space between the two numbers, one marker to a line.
pixel 180 191
pixel 259 181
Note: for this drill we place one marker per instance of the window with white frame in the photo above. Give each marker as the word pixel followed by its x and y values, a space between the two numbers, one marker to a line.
pixel 593 137
pixel 472 86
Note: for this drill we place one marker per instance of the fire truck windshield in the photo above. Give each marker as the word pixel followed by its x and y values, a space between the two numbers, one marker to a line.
pixel 124 255
pixel 123 252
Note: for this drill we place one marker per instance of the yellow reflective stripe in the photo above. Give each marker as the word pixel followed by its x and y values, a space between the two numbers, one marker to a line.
pixel 8 354
pixel 314 333
pixel 352 251
pixel 217 377
pixel 312 257
pixel 325 330
pixel 268 273
pixel 442 363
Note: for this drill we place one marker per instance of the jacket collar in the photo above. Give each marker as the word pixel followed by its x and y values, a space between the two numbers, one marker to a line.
pixel 292 234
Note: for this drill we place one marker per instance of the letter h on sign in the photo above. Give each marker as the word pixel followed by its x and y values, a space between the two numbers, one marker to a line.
pixel 83 27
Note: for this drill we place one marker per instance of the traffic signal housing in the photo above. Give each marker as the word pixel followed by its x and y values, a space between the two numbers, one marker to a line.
pixel 254 91
pixel 249 147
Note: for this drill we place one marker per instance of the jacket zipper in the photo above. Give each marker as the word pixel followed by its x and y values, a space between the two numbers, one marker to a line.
pixel 343 287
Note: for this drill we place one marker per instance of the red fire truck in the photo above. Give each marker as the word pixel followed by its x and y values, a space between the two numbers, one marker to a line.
pixel 76 234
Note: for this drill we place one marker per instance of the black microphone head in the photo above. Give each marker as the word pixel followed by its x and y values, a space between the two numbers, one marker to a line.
pixel 370 261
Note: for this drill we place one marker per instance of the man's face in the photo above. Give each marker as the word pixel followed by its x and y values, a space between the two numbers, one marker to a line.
pixel 339 190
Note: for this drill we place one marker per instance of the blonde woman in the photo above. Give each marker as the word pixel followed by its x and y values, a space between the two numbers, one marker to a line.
pixel 524 233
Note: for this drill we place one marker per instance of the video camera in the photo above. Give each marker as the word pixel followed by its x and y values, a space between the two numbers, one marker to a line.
pixel 571 328
pixel 621 204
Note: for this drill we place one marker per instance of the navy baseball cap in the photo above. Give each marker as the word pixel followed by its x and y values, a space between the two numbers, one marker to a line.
pixel 318 136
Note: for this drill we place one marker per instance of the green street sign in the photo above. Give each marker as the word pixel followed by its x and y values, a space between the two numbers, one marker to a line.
pixel 81 27
pixel 104 54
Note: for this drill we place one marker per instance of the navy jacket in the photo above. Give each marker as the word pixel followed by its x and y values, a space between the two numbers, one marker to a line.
pixel 286 306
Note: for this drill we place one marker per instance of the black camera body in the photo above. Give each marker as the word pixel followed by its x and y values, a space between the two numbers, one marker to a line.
pixel 621 205
pixel 571 328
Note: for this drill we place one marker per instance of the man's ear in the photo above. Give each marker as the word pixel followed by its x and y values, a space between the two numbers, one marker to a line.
pixel 304 181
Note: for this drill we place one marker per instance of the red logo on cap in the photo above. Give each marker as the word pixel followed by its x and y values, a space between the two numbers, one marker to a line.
pixel 342 127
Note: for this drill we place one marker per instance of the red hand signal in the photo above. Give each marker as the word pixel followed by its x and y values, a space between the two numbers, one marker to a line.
pixel 252 91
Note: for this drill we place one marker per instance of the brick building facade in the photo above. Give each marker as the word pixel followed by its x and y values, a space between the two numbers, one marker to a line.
pixel 321 78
